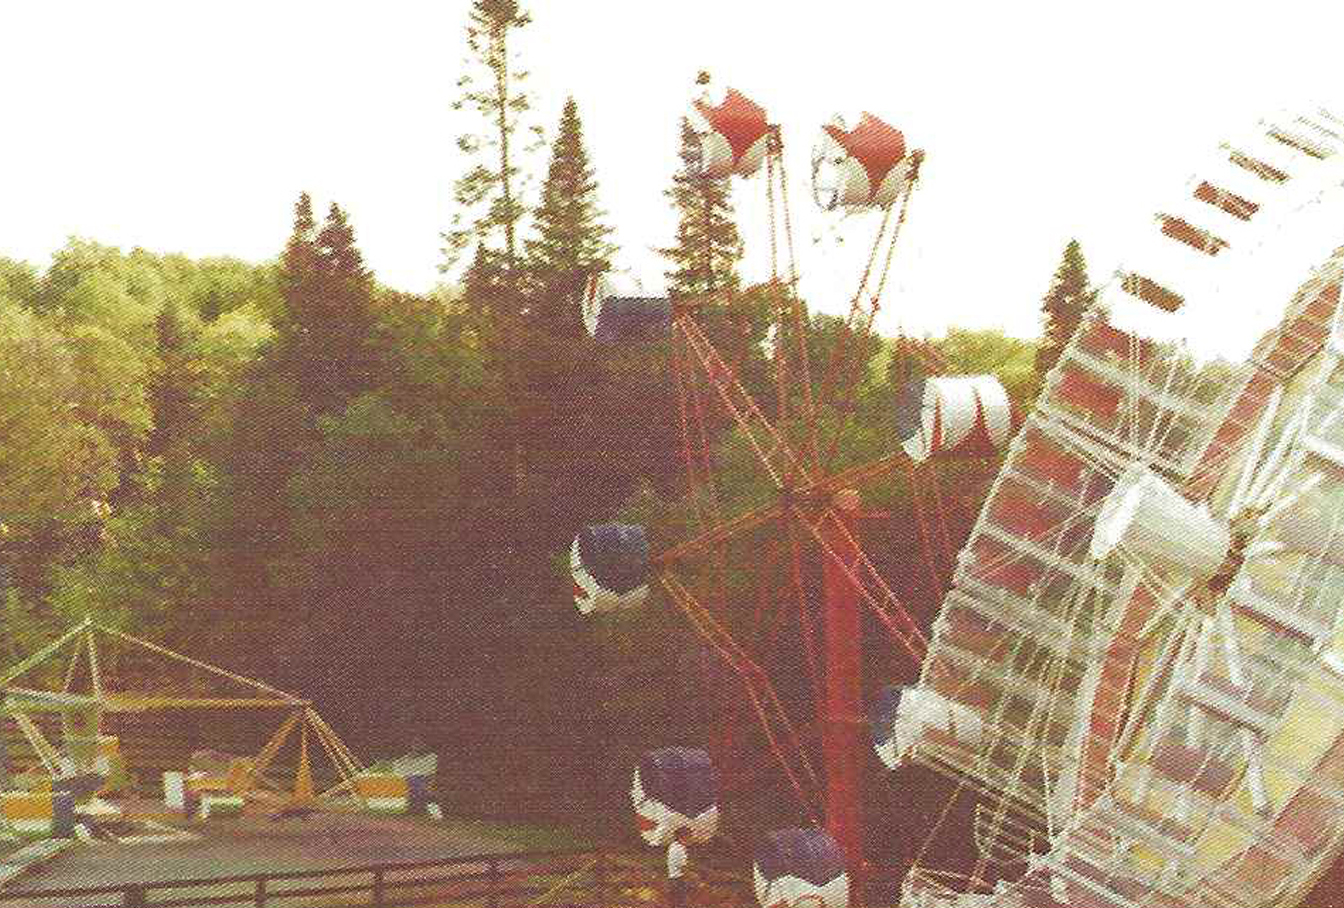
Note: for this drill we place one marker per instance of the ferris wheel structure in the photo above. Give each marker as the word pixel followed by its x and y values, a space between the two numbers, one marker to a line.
pixel 1140 665
pixel 811 512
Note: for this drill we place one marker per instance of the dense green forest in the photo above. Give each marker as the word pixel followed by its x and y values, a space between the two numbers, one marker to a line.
pixel 369 496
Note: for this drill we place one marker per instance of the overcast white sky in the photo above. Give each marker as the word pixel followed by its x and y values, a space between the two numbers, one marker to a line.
pixel 192 127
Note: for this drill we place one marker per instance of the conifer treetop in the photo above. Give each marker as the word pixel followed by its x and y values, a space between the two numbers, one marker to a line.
pixel 707 249
pixel 570 240
pixel 1062 308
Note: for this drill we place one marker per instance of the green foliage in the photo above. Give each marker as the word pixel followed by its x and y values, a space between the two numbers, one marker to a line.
pixel 225 350
pixel 18 281
pixel 177 385
pixel 217 286
pixel 571 241
pixel 1063 307
pixel 436 367
pixel 326 338
pixel 124 292
pixel 29 626
pixel 231 341
pixel 148 576
pixel 991 352
pixel 111 386
pixel 492 293
pixel 370 534
pixel 707 248
pixel 92 284
pixel 56 452
pixel 237 336
pixel 488 193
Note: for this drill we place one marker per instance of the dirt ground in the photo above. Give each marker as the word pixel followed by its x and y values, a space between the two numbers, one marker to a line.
pixel 253 844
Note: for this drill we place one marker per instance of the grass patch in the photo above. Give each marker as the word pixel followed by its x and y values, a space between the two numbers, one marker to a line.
pixel 527 836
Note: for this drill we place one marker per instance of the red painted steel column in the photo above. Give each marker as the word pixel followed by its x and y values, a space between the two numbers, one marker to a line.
pixel 843 730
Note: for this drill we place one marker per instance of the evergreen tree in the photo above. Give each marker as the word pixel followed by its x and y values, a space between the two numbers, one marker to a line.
pixel 299 262
pixel 571 242
pixel 488 292
pixel 478 284
pixel 176 385
pixel 707 248
pixel 1063 306
pixel 487 194
pixel 327 336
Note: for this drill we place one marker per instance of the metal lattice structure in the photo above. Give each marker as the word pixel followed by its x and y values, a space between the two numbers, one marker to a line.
pixel 155 678
pixel 1145 622
pixel 801 507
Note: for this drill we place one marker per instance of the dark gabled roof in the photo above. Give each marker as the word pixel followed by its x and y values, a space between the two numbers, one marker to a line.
pixel 633 318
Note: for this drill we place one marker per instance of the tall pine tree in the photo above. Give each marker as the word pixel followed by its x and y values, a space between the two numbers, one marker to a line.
pixel 708 248
pixel 480 280
pixel 327 335
pixel 299 263
pixel 571 241
pixel 1063 307
pixel 487 195
pixel 325 354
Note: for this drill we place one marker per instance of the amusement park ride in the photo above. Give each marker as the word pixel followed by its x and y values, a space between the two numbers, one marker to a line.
pixel 111 675
pixel 1138 668
pixel 814 509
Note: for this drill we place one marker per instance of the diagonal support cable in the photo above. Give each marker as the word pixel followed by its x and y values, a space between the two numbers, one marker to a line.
pixel 43 653
pixel 248 682
pixel 844 369
pixel 773 452
pixel 872 589
pixel 765 702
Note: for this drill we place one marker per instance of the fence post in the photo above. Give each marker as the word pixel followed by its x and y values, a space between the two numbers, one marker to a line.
pixel 600 882
pixel 378 888
pixel 261 892
pixel 492 869
pixel 133 897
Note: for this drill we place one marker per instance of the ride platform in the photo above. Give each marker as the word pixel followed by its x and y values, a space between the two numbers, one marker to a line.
pixel 255 843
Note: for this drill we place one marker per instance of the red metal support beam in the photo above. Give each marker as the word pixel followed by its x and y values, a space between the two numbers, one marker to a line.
pixel 844 666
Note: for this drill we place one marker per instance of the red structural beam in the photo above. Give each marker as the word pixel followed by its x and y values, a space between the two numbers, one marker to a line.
pixel 844 667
